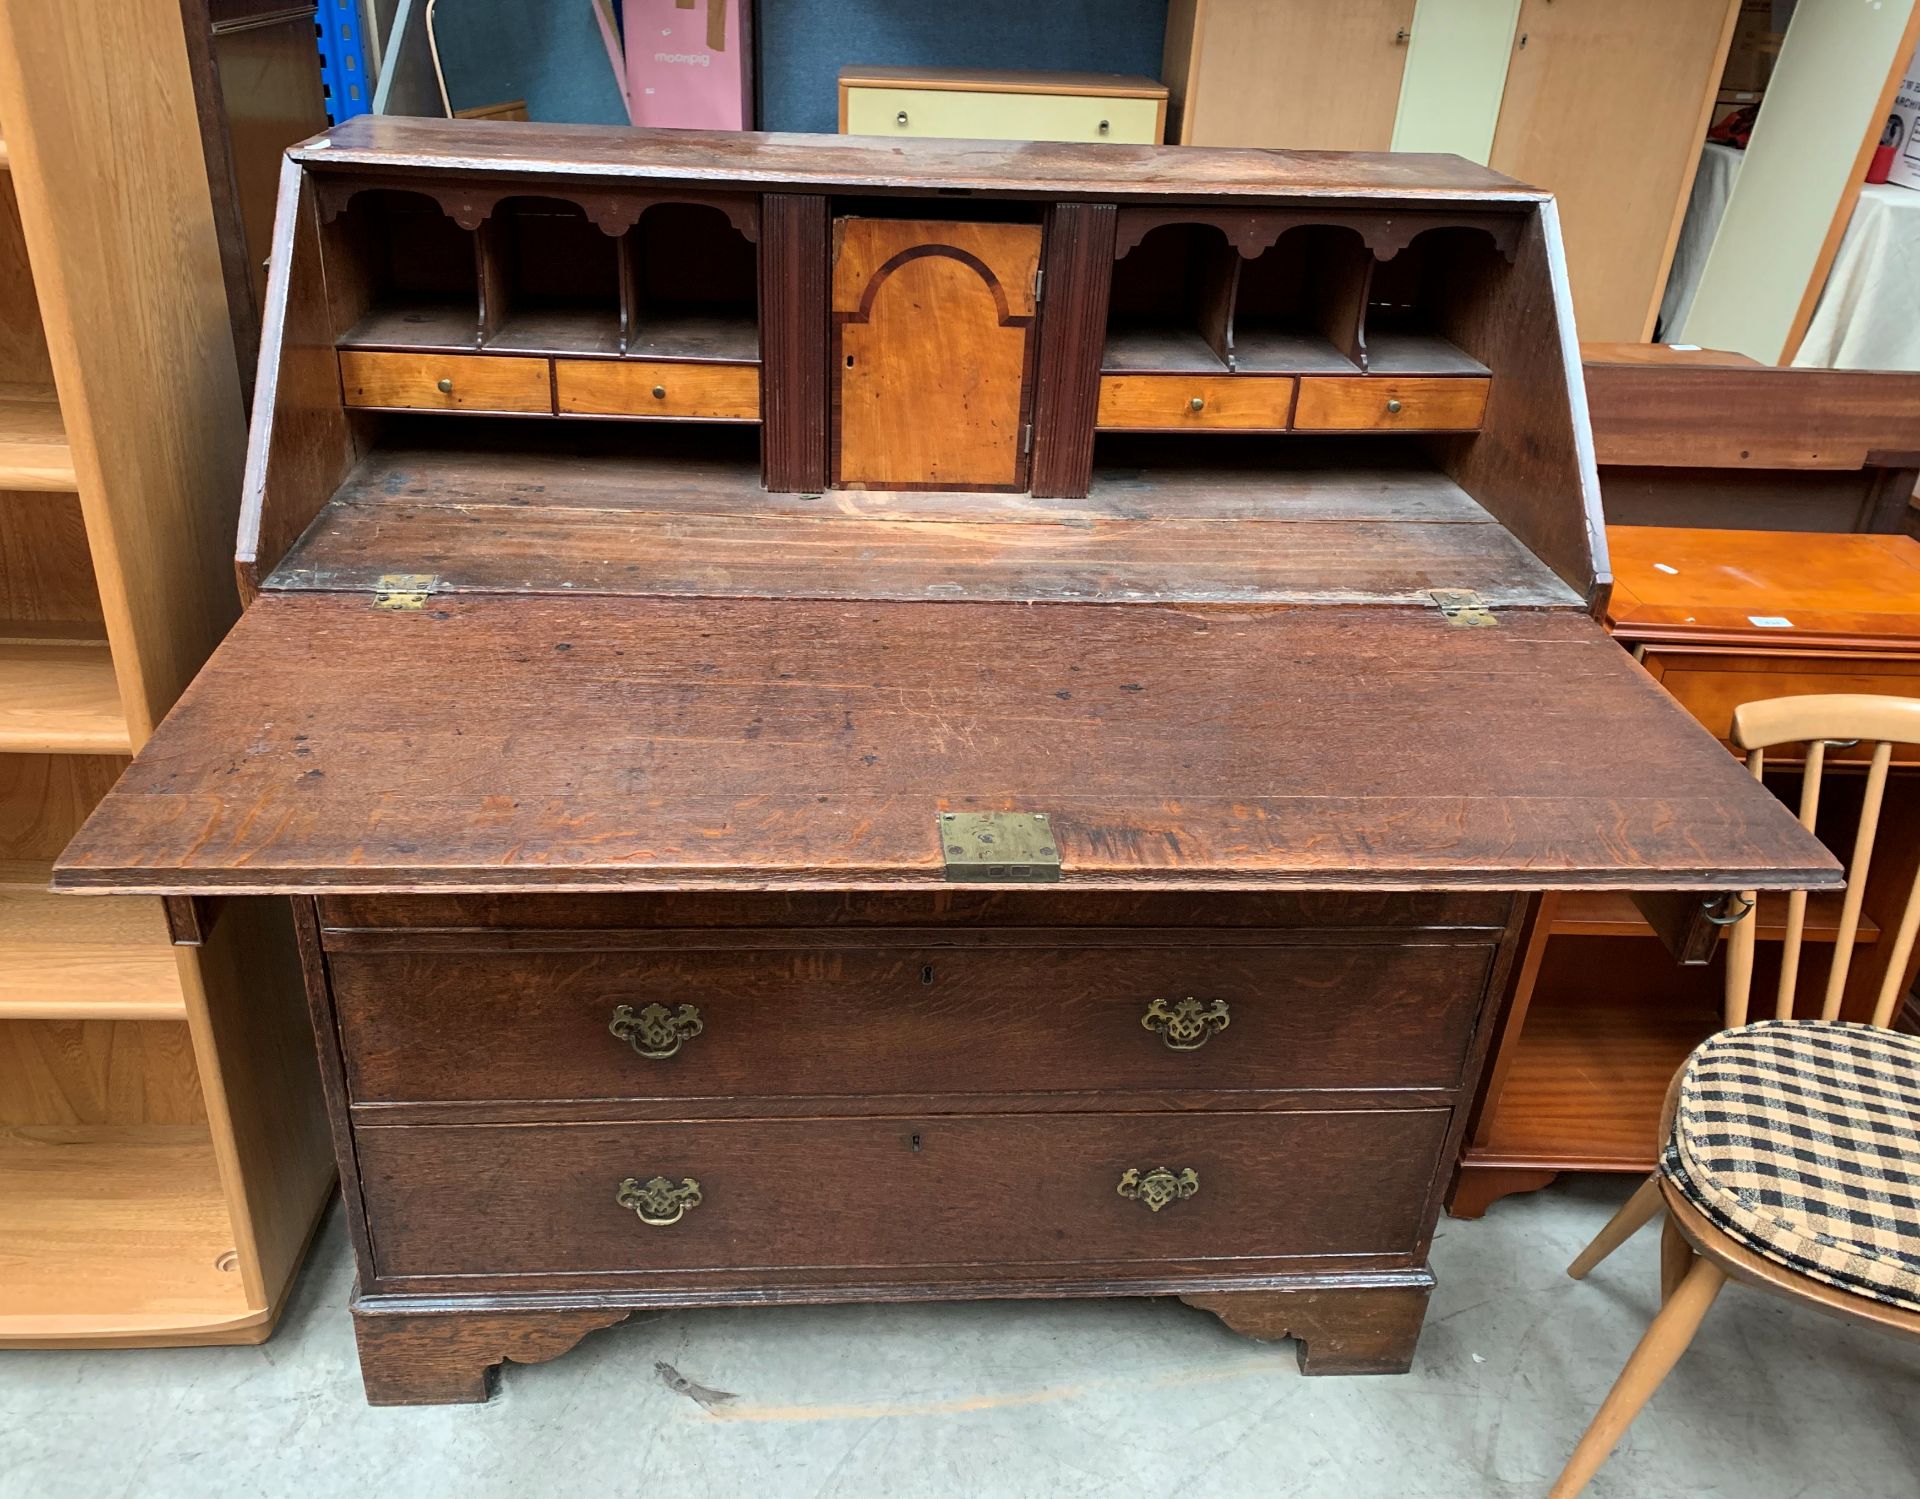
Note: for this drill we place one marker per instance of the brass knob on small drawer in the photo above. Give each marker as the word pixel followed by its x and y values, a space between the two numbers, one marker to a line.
pixel 655 1032
pixel 1105 126
pixel 1198 403
pixel 901 118
pixel 1158 1187
pixel 1186 1023
pixel 659 392
pixel 1393 408
pixel 657 1201
pixel 444 385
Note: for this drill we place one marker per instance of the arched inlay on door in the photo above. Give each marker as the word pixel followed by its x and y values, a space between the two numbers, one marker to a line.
pixel 933 353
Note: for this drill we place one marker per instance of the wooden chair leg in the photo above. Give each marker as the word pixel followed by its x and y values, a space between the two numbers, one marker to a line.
pixel 1676 1259
pixel 1622 1226
pixel 1660 1348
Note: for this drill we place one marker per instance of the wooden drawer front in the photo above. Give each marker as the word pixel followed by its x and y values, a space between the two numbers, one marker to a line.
pixel 1380 403
pixel 1710 686
pixel 1165 403
pixel 349 918
pixel 1002 116
pixel 488 1200
pixel 875 1021
pixel 445 382
pixel 633 387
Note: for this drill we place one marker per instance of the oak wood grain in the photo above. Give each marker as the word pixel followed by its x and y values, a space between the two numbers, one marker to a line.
pixel 297 457
pixel 373 923
pixel 680 514
pixel 1161 403
pixel 1384 403
pixel 643 388
pixel 391 144
pixel 446 382
pixel 933 352
pixel 453 1358
pixel 846 1023
pixel 585 734
pixel 1078 267
pixel 492 1202
pixel 795 341
pixel 1358 1331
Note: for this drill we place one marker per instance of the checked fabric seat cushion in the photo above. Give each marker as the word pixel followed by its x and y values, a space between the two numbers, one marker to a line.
pixel 1801 1139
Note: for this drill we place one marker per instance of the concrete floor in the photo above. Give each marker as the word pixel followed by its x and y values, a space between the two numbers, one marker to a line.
pixel 1047 1398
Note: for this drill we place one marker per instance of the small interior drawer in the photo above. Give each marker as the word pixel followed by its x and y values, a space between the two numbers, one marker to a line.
pixel 1375 403
pixel 645 388
pixel 986 115
pixel 1175 403
pixel 445 382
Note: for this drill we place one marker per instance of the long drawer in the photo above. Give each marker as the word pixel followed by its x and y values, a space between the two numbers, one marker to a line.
pixel 677 1024
pixel 349 918
pixel 645 1199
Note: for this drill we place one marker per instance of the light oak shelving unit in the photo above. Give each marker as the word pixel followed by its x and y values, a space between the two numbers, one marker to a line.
pixel 163 1153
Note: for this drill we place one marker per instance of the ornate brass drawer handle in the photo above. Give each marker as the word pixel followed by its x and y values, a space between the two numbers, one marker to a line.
pixel 1186 1023
pixel 655 1032
pixel 1159 1186
pixel 658 1201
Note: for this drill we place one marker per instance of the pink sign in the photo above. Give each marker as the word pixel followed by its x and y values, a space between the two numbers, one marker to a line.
pixel 690 63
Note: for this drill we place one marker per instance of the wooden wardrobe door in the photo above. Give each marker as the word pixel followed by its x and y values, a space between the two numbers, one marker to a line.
pixel 933 353
pixel 1605 106
pixel 1302 75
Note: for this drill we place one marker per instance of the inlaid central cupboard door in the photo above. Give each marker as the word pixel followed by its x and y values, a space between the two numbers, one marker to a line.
pixel 933 352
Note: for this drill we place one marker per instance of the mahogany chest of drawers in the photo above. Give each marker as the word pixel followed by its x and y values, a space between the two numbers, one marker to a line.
pixel 861 720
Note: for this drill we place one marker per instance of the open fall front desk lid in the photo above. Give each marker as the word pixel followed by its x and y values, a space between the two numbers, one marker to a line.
pixel 485 743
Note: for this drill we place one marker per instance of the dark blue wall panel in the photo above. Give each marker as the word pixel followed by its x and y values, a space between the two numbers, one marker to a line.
pixel 804 43
pixel 548 53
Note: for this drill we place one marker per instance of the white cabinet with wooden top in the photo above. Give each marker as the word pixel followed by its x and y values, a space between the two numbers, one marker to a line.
pixel 1000 105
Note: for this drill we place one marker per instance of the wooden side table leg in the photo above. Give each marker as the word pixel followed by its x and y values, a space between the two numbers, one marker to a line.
pixel 1478 1188
pixel 1366 1330
pixel 448 1358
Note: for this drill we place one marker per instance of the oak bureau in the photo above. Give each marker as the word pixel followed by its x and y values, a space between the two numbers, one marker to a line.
pixel 865 720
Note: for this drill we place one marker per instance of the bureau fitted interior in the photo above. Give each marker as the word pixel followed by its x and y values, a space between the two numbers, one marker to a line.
pixel 659 545
pixel 1284 399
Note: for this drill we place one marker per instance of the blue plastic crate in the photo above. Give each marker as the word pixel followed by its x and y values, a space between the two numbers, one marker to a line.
pixel 343 66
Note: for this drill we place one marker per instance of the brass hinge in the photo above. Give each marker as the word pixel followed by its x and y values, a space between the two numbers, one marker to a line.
pixel 998 848
pixel 1039 280
pixel 1462 606
pixel 404 590
pixel 1026 438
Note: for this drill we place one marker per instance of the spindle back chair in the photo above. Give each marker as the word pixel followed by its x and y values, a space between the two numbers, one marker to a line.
pixel 1713 1234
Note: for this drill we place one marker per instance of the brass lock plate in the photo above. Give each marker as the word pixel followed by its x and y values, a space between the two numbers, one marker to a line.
pixel 998 848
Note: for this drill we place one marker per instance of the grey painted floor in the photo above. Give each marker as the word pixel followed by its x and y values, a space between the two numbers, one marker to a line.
pixel 1052 1398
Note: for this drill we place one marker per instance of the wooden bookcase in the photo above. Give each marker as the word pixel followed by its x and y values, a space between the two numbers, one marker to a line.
pixel 162 1150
